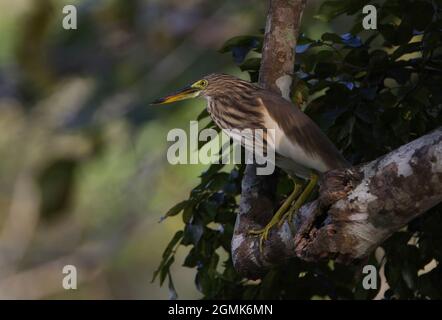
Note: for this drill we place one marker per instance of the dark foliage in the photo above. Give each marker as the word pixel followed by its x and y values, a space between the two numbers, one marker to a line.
pixel 371 92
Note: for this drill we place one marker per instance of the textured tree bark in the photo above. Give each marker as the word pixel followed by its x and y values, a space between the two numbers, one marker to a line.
pixel 278 58
pixel 357 209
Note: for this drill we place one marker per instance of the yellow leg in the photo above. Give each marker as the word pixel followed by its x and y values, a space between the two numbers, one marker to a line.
pixel 301 200
pixel 277 217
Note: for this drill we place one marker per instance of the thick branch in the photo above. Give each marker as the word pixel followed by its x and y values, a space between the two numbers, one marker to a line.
pixel 357 209
pixel 257 195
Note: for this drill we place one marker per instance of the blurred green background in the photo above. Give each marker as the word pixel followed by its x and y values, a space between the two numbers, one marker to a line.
pixel 83 173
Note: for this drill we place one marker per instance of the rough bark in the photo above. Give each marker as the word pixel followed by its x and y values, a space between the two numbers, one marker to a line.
pixel 357 209
pixel 278 58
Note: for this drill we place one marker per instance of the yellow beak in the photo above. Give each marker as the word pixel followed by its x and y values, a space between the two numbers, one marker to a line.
pixel 185 93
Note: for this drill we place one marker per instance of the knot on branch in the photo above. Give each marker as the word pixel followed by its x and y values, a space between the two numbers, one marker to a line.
pixel 336 184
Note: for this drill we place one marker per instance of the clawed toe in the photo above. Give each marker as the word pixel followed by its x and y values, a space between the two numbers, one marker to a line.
pixel 263 234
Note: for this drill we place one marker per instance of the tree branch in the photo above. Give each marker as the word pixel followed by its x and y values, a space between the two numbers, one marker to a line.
pixel 357 209
pixel 278 59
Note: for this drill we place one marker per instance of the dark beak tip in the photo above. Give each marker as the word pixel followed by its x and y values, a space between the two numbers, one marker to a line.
pixel 157 101
pixel 164 100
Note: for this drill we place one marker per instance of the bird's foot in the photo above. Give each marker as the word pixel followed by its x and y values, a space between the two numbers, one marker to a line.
pixel 264 232
pixel 288 216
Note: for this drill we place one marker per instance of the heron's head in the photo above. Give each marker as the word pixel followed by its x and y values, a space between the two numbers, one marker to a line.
pixel 210 86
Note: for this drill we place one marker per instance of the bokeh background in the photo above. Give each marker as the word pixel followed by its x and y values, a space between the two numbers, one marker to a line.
pixel 83 173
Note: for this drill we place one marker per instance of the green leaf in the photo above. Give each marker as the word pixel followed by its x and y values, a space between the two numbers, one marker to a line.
pixel 192 234
pixel 303 39
pixel 218 181
pixel 325 55
pixel 397 35
pixel 378 60
pixel 203 282
pixel 214 168
pixel 169 249
pixel 191 259
pixel 351 40
pixel 387 99
pixel 188 213
pixel 241 46
pixel 331 37
pixel 347 129
pixel 165 270
pixel 204 114
pixel 406 49
pixel 325 69
pixel 331 9
pixel 252 64
pixel 209 210
pixel 358 57
pixel 364 113
pixel 176 209
pixel 241 41
pixel 301 48
pixel 269 284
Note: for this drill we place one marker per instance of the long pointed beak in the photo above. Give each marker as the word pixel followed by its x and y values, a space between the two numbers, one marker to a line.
pixel 185 93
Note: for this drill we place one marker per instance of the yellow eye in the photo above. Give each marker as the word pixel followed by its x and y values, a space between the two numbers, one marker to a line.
pixel 201 84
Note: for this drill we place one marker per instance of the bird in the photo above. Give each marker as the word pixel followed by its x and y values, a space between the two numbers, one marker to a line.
pixel 302 149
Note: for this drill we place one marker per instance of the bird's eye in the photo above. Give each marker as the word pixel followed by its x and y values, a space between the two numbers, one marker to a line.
pixel 204 83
